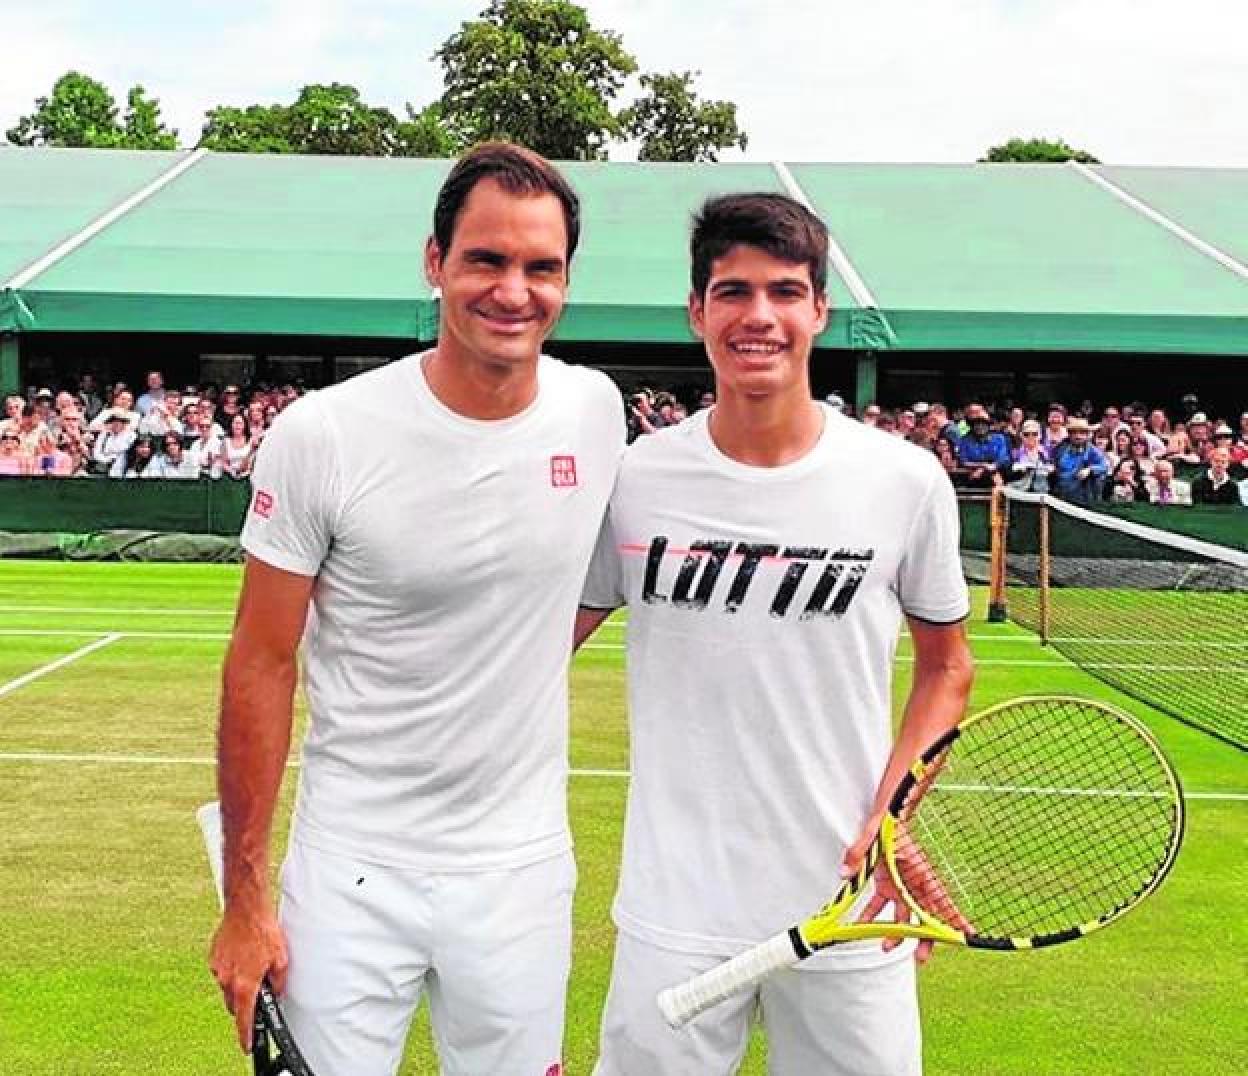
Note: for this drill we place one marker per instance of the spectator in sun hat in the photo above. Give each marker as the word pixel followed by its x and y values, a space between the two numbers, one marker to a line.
pixel 108 453
pixel 1079 467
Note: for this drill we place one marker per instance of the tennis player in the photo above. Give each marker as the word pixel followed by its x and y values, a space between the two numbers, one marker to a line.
pixel 769 550
pixel 424 529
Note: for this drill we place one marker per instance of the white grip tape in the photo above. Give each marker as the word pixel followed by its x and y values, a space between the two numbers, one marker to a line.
pixel 680 1004
pixel 209 818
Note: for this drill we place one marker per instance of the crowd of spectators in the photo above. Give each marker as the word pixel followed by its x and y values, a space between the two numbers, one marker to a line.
pixel 192 432
pixel 1125 453
pixel 1122 454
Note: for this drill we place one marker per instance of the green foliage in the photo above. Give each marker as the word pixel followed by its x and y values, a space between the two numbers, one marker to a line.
pixel 1037 150
pixel 144 128
pixel 673 125
pixel 82 112
pixel 331 119
pixel 537 73
pixel 254 129
pixel 425 134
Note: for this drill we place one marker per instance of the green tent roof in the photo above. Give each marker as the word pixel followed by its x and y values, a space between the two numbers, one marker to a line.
pixel 961 257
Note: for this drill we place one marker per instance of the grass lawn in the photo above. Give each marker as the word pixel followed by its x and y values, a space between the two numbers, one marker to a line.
pixel 107 903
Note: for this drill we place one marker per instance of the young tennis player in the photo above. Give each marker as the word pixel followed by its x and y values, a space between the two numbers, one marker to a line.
pixel 425 530
pixel 769 550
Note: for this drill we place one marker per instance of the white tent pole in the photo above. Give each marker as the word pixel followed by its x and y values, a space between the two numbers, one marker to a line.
pixel 839 259
pixel 1193 241
pixel 62 250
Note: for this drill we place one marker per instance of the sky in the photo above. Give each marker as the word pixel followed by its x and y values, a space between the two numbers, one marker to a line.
pixel 1147 82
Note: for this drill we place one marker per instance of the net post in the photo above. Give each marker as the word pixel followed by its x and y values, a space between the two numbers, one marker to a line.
pixel 1045 559
pixel 998 612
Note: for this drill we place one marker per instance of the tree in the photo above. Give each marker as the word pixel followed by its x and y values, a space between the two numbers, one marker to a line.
pixel 253 129
pixel 327 118
pixel 144 128
pixel 1037 150
pixel 79 112
pixel 534 72
pixel 333 119
pixel 425 134
pixel 673 125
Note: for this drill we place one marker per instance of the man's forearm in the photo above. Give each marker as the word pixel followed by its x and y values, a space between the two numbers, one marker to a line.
pixel 936 702
pixel 253 742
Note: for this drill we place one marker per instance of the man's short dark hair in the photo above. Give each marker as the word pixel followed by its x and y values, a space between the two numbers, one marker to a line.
pixel 774 223
pixel 514 168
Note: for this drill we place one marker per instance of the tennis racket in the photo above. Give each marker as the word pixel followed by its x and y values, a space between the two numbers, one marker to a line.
pixel 273 1049
pixel 1033 823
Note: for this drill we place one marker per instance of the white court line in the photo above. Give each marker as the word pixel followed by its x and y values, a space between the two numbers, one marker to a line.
pixel 113 611
pixel 59 663
pixel 78 633
pixel 906 659
pixel 208 760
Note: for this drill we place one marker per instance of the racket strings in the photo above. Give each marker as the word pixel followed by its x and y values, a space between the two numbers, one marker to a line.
pixel 1047 816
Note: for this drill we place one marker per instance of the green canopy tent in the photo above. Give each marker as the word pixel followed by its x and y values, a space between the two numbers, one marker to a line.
pixel 957 258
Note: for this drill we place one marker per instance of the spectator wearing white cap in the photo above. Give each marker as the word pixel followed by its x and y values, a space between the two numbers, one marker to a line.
pixel 1200 433
pixel 1031 466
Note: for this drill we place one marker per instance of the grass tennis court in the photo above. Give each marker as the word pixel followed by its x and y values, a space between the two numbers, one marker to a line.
pixel 108 684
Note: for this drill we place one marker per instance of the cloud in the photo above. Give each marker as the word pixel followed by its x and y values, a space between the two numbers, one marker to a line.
pixel 1133 81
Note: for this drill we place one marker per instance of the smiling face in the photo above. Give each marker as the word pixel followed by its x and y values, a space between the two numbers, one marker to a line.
pixel 758 319
pixel 504 277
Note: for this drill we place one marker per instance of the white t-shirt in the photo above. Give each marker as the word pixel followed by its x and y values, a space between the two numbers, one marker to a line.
pixel 765 606
pixel 449 555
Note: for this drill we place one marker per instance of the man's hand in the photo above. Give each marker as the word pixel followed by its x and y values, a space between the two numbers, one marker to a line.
pixel 885 891
pixel 244 950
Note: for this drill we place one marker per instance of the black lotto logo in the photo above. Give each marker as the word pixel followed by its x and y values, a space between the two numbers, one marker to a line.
pixel 702 568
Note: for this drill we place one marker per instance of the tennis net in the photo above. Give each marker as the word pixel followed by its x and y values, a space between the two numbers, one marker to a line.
pixel 1160 616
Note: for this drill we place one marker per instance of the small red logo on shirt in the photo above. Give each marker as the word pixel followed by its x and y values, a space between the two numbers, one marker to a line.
pixel 557 1068
pixel 262 503
pixel 562 473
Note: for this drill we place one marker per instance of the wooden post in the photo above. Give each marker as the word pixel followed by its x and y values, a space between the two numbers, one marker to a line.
pixel 998 521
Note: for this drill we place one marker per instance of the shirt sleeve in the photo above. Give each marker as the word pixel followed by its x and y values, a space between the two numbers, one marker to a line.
pixel 604 583
pixel 294 485
pixel 932 587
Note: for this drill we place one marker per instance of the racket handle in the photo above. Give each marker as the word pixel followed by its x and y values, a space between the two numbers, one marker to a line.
pixel 680 1004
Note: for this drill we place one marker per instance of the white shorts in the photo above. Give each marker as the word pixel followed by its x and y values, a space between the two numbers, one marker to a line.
pixel 492 949
pixel 859 1022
